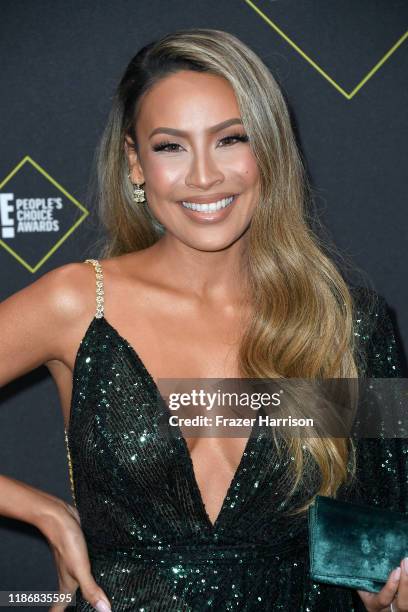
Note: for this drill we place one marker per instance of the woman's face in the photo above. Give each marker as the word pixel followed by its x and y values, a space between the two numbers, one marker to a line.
pixel 201 178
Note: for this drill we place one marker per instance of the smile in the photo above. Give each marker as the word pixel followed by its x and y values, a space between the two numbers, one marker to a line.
pixel 210 207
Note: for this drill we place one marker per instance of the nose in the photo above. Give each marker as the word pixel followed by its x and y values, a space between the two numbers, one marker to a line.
pixel 203 172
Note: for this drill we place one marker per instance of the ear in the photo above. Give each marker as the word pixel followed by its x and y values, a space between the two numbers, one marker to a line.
pixel 135 169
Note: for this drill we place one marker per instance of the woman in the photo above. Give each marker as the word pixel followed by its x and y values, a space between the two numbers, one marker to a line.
pixel 211 271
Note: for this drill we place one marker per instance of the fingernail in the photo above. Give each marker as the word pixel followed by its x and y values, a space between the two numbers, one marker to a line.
pixel 405 565
pixel 395 575
pixel 101 606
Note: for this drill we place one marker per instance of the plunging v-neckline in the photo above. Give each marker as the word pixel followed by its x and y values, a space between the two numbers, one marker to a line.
pixel 179 435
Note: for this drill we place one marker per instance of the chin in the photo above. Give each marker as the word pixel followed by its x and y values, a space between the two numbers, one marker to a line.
pixel 212 244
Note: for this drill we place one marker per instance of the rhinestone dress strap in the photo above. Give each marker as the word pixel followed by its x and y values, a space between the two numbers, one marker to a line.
pixel 99 287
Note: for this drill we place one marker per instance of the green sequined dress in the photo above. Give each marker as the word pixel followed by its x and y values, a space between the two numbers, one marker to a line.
pixel 151 543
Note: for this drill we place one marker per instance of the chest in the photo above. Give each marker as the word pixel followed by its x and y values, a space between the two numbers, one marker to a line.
pixel 177 346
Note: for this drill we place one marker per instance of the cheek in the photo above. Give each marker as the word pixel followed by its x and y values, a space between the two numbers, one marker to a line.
pixel 163 174
pixel 243 165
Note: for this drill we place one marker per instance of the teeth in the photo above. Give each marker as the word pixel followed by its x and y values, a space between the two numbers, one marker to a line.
pixel 213 206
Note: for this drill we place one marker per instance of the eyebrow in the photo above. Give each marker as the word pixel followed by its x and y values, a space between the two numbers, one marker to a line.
pixel 212 130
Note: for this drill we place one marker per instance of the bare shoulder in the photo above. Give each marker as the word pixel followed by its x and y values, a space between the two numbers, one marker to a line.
pixel 65 292
pixel 43 321
pixel 72 286
pixel 70 289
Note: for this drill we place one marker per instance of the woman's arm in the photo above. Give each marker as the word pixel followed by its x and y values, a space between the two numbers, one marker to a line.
pixel 33 321
pixel 29 322
pixel 26 503
pixel 41 323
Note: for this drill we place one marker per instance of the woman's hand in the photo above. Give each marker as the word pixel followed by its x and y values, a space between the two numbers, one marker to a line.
pixel 381 601
pixel 62 528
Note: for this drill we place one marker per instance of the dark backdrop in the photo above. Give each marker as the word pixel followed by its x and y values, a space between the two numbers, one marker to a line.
pixel 342 66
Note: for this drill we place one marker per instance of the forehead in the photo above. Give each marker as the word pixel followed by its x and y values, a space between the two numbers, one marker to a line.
pixel 188 100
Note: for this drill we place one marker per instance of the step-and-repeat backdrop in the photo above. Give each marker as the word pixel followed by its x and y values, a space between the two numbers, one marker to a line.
pixel 343 68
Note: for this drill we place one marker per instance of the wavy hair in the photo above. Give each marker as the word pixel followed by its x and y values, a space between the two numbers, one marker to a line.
pixel 301 323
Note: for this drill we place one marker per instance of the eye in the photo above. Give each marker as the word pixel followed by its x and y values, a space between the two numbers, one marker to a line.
pixel 173 147
pixel 166 145
pixel 236 138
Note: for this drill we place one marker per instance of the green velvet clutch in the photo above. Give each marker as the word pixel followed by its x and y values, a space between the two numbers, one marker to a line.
pixel 355 546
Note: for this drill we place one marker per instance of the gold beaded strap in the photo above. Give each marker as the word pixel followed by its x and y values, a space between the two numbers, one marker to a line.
pixel 71 475
pixel 99 287
pixel 98 315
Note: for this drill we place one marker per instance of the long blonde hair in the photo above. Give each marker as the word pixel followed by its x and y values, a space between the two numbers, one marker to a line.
pixel 302 309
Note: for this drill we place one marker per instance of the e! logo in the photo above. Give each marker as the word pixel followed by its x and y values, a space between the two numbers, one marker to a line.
pixel 37 214
pixel 6 222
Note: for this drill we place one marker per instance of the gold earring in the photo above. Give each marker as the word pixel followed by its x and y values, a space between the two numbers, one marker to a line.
pixel 138 193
